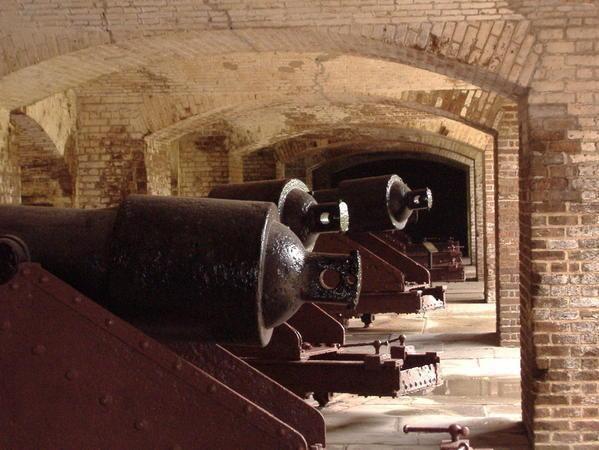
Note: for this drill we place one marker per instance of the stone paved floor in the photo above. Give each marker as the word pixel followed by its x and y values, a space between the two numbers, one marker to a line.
pixel 481 388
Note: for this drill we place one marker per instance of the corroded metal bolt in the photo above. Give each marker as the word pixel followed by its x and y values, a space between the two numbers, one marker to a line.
pixel 72 374
pixel 38 349
pixel 105 400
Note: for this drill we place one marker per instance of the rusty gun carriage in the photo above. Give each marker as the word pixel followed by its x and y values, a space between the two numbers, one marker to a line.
pixel 202 272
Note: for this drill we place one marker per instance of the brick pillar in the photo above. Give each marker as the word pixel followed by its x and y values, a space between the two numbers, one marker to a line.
pixel 489 225
pixel 561 329
pixel 477 230
pixel 158 167
pixel 527 351
pixel 203 163
pixel 279 169
pixel 235 168
pixel 508 228
pixel 10 185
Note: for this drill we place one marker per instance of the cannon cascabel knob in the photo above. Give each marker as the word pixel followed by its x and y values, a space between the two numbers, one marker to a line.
pixel 377 203
pixel 306 217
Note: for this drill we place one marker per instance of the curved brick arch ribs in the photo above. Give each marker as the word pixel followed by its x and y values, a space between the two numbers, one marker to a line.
pixel 263 127
pixel 459 34
pixel 245 117
pixel 331 137
pixel 321 171
pixel 165 104
pixel 45 176
pixel 56 74
pixel 165 107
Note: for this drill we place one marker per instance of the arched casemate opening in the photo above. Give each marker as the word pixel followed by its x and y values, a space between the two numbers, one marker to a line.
pixel 453 214
pixel 45 174
pixel 314 157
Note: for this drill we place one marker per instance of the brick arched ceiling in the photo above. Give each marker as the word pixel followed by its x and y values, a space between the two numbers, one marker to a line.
pixel 254 129
pixel 187 93
pixel 36 81
pixel 339 142
pixel 352 156
pixel 490 35
pixel 404 150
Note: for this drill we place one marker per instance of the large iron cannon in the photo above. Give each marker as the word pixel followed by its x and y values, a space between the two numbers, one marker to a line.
pixel 395 283
pixel 182 268
pixel 377 203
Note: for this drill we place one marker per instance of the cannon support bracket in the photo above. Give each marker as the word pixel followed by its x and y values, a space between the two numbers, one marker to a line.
pixel 97 381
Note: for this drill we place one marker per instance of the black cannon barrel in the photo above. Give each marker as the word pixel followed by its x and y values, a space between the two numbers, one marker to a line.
pixel 184 268
pixel 377 203
pixel 306 217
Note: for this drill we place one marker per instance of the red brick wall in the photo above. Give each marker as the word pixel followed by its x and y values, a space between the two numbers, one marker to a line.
pixel 560 300
pixel 110 150
pixel 508 228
